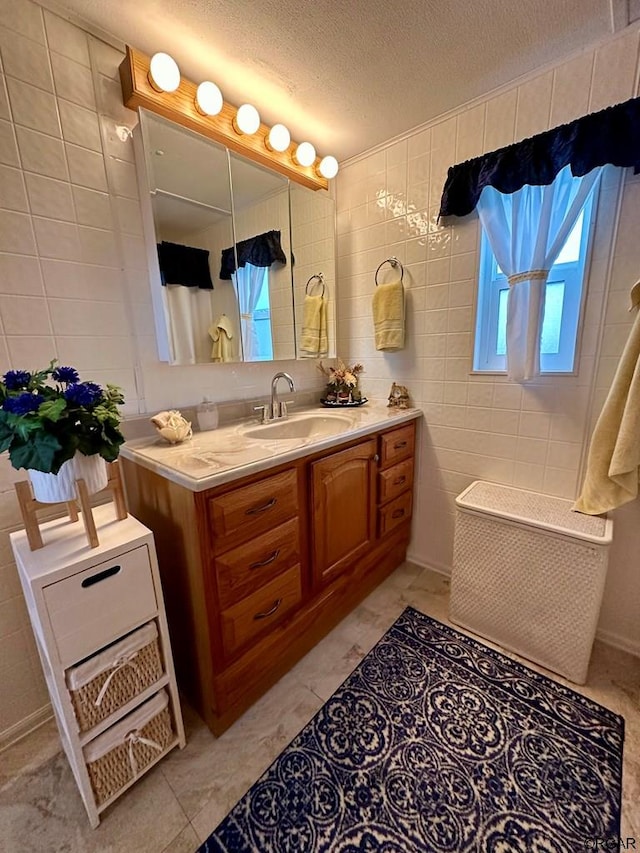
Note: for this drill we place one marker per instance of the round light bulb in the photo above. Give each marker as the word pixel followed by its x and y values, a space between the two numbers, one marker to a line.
pixel 208 99
pixel 328 167
pixel 305 154
pixel 279 138
pixel 164 74
pixel 247 119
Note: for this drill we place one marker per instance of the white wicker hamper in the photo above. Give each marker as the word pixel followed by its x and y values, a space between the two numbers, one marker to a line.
pixel 528 574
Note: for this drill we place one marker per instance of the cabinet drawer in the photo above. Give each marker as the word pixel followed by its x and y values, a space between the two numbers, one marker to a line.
pixel 96 606
pixel 394 513
pixel 395 480
pixel 249 510
pixel 262 609
pixel 250 566
pixel 397 445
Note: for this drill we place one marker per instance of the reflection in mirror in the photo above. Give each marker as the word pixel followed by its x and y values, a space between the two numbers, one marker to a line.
pixel 314 271
pixel 190 191
pixel 263 251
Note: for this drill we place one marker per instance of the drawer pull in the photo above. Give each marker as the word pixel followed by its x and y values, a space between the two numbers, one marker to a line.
pixel 260 563
pixel 399 445
pixel 397 513
pixel 100 576
pixel 270 612
pixel 399 480
pixel 258 509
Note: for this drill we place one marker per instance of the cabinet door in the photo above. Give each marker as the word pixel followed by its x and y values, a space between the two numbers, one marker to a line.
pixel 343 500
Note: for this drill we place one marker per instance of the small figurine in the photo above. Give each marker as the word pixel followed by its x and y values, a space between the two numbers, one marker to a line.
pixel 398 397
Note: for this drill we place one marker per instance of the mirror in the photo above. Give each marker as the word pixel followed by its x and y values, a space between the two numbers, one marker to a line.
pixel 231 248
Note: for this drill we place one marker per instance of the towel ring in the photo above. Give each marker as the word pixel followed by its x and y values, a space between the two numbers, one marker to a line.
pixel 320 277
pixel 394 263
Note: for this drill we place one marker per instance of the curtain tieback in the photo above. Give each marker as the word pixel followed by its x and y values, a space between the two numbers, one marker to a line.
pixel 531 275
pixel 246 316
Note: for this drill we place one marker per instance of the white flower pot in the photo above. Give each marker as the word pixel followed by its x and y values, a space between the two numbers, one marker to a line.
pixel 55 488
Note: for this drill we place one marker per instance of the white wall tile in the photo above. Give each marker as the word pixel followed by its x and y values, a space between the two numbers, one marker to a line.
pixel 66 39
pixel 614 72
pixel 8 146
pixel 470 133
pixel 24 315
pixel 73 81
pixel 23 17
pixel 42 154
pixel 101 319
pixel 80 125
pixel 50 198
pixel 500 125
pixel 25 59
pixel 98 246
pixel 86 168
pixel 33 107
pixel 57 239
pixel 28 349
pixel 4 99
pixel 16 234
pixel 571 87
pixel 20 275
pixel 534 106
pixel 92 207
pixel 82 281
pixel 12 191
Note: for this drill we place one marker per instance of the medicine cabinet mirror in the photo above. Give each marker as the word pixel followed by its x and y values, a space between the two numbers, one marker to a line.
pixel 265 238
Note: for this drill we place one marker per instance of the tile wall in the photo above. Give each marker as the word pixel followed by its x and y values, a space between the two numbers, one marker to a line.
pixel 481 426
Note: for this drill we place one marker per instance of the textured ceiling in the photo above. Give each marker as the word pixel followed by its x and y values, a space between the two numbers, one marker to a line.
pixel 349 74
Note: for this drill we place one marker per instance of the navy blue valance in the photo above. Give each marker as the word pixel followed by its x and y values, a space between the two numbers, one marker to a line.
pixel 609 136
pixel 260 251
pixel 184 265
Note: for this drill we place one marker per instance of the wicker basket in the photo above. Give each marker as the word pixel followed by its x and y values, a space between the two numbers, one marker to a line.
pixel 103 684
pixel 134 742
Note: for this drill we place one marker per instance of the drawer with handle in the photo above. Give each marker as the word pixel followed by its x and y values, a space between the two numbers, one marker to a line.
pixel 394 513
pixel 264 608
pixel 252 564
pixel 395 480
pixel 92 608
pixel 242 513
pixel 397 445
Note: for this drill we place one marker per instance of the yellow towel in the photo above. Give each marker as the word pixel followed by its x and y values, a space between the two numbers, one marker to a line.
pixel 388 316
pixel 614 456
pixel 313 340
pixel 221 333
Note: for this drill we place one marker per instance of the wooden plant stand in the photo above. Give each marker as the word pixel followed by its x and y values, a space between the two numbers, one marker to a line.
pixel 29 507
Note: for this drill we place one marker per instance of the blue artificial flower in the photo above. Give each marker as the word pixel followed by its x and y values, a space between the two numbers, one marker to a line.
pixel 16 379
pixel 83 393
pixel 69 375
pixel 23 403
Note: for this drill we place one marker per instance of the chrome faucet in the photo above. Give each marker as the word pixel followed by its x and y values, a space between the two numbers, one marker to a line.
pixel 277 408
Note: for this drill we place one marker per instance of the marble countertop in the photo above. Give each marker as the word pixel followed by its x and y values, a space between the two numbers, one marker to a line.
pixel 219 456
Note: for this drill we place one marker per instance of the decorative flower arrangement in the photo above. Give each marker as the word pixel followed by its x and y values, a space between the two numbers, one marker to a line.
pixel 48 416
pixel 342 384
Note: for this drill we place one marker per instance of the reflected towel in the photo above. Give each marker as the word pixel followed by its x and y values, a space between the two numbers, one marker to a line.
pixel 388 316
pixel 221 333
pixel 313 340
pixel 614 456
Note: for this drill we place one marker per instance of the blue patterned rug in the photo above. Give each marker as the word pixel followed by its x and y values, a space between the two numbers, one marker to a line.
pixel 438 743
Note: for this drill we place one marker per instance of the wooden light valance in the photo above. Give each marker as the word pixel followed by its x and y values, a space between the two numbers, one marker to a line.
pixel 180 106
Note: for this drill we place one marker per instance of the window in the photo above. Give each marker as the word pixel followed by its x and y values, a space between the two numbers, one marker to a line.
pixel 563 299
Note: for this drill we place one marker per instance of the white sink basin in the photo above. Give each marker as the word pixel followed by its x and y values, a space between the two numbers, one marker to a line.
pixel 300 426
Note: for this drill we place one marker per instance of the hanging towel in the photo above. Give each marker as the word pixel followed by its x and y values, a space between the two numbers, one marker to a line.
pixel 388 316
pixel 314 341
pixel 221 333
pixel 614 456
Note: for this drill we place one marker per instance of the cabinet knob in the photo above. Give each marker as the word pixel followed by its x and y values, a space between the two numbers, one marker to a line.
pixel 376 458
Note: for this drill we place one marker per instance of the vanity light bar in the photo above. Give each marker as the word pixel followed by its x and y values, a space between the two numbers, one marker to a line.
pixel 180 106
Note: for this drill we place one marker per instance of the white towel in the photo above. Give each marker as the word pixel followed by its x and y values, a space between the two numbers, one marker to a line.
pixel 614 455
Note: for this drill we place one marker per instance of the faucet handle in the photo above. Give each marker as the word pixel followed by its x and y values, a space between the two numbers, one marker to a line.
pixel 263 413
pixel 282 409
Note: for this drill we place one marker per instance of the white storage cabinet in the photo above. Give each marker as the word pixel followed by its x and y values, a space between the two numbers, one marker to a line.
pixel 528 574
pixel 100 626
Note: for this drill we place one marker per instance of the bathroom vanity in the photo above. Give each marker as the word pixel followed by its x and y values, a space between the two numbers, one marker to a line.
pixel 267 536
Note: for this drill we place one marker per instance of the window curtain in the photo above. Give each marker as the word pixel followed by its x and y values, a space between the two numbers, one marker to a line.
pixel 184 265
pixel 260 251
pixel 527 230
pixel 249 281
pixel 190 312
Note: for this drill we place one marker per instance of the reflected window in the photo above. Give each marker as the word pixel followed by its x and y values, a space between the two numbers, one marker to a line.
pixel 252 287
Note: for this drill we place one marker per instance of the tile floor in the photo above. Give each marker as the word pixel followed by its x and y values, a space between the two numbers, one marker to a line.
pixel 178 803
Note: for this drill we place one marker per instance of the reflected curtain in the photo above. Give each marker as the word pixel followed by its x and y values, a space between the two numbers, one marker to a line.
pixel 249 281
pixel 527 230
pixel 190 312
pixel 260 251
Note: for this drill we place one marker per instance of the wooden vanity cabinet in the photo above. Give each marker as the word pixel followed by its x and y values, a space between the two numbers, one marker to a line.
pixel 258 570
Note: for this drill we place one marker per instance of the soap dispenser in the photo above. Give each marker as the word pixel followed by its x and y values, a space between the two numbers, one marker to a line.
pixel 207 414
